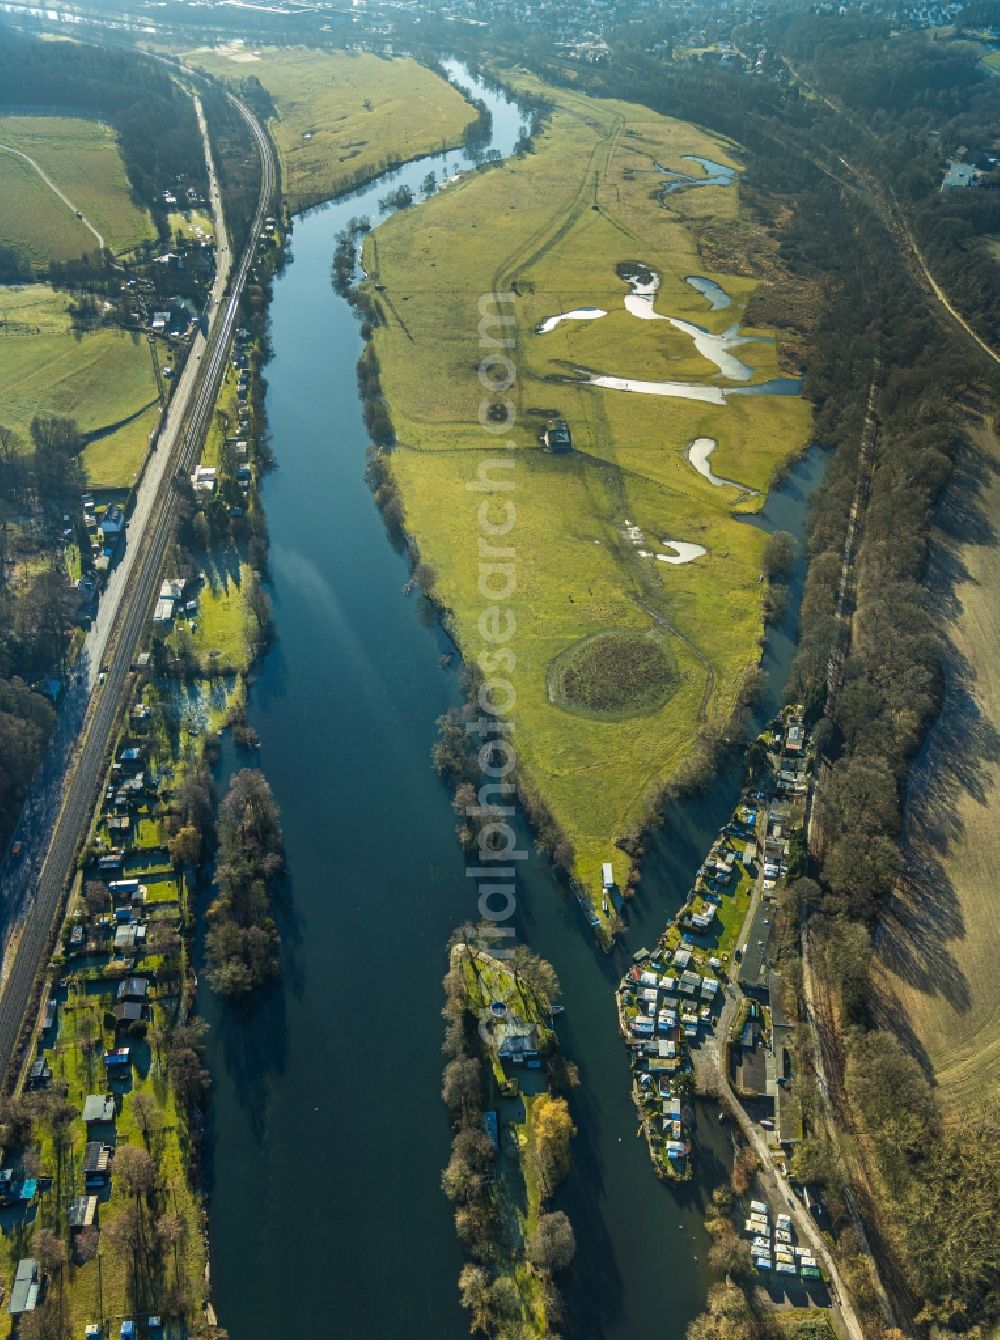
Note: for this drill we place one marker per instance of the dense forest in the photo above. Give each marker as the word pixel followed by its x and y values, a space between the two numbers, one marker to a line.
pixel 42 476
pixel 237 160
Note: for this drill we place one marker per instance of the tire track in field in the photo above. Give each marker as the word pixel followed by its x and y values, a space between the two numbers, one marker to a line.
pixel 8 148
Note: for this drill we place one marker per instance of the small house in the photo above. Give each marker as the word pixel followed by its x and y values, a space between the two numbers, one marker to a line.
pixel 607 876
pixel 82 1213
pixel 118 1061
pixel 557 437
pixel 96 1164
pixel 98 1107
pixel 112 522
pixel 24 1290
pixel 128 889
pixel 40 1074
pixel 133 988
pixel 129 1012
pixel 130 938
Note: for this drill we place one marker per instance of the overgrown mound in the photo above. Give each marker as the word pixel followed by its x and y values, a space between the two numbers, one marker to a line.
pixel 614 674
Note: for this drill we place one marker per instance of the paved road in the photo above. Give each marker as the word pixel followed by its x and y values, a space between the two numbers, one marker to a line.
pixel 8 148
pixel 159 465
pixel 59 814
pixel 779 1192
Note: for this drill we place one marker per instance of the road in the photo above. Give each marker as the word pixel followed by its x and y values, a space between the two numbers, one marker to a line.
pixel 823 1067
pixel 779 1193
pixel 8 148
pixel 158 467
pixel 59 815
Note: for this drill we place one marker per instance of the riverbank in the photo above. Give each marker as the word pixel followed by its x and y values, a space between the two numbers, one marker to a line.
pixel 677 996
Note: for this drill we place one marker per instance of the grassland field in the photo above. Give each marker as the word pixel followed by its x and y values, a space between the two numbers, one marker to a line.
pixel 934 968
pixel 341 114
pixel 101 379
pixel 552 227
pixel 83 159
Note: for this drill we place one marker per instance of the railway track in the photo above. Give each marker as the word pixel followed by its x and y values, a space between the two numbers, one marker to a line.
pixel 86 768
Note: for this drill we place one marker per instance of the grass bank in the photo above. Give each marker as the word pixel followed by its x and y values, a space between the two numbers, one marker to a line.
pixel 935 945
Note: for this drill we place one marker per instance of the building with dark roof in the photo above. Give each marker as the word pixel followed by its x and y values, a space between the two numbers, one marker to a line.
pixel 557 436
pixel 758 952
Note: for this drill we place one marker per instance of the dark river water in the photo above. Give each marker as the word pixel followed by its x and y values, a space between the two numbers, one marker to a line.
pixel 327 1218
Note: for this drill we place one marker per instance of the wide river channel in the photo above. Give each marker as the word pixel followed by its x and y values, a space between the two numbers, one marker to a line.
pixel 327 1217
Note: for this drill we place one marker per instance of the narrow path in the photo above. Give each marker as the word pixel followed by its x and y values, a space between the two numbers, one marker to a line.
pixel 8 148
pixel 889 210
pixel 825 1065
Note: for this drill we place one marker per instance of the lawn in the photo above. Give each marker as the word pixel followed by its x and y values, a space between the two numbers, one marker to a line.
pixel 113 462
pixel 588 524
pixel 935 967
pixel 100 379
pixel 192 224
pixel 82 158
pixel 341 115
pixel 219 638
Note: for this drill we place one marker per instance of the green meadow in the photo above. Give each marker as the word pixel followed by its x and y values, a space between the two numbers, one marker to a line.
pixel 83 159
pixel 100 379
pixel 551 229
pixel 341 114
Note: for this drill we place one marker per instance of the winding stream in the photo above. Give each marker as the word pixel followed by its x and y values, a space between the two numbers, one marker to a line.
pixel 326 1214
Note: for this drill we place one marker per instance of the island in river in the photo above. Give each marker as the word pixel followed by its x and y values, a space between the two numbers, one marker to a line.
pixel 622 615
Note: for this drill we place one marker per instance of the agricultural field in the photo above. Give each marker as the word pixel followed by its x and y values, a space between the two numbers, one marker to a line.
pixel 934 963
pixel 100 379
pixel 632 537
pixel 82 158
pixel 342 115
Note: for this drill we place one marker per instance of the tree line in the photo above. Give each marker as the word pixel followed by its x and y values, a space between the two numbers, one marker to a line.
pixel 242 940
pixel 473 1181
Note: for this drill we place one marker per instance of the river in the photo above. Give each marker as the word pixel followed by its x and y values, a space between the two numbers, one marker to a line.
pixel 329 1136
